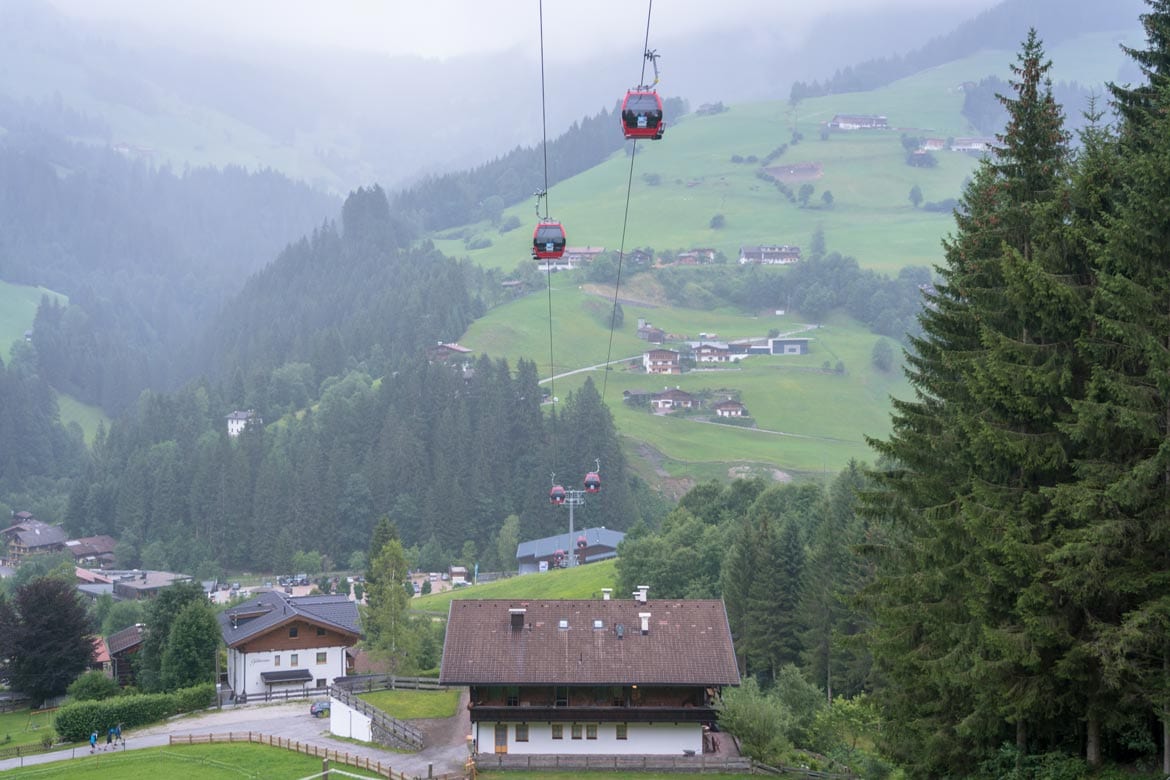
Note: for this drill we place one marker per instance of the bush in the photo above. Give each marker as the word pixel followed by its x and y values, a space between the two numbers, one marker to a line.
pixel 75 722
pixel 93 686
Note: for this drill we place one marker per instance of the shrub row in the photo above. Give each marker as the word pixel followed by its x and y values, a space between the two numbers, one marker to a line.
pixel 75 722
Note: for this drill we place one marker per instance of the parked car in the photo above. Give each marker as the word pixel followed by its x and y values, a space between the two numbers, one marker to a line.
pixel 319 709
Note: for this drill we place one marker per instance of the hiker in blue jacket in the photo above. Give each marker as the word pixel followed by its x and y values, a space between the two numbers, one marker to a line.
pixel 93 742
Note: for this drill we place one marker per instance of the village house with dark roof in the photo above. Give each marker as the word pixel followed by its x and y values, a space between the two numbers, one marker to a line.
pixel 661 361
pixel 771 254
pixel 92 550
pixel 858 122
pixel 602 676
pixel 672 398
pixel 276 642
pixel 238 420
pixel 123 646
pixel 730 408
pixel 29 536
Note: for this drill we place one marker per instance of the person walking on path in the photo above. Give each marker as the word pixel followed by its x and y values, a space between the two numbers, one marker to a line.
pixel 109 737
pixel 93 742
pixel 118 735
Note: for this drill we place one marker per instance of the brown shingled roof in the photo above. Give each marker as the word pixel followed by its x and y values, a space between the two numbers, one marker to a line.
pixel 688 643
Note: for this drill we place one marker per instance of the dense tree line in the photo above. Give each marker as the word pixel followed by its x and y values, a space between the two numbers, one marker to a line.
pixel 453 199
pixel 447 453
pixel 1019 603
pixel 998 27
pixel 821 283
pixel 145 254
pixel 39 457
pixel 985 111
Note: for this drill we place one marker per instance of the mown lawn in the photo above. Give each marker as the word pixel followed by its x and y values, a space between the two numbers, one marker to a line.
pixel 408 705
pixel 581 582
pixel 18 309
pixel 190 762
pixel 25 727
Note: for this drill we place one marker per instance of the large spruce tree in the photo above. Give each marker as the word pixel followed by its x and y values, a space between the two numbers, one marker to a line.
pixel 966 629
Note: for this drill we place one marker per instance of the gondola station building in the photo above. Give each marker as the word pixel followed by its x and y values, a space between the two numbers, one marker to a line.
pixel 602 676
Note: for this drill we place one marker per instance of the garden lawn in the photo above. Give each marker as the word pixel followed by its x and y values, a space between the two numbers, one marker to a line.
pixel 25 727
pixel 190 762
pixel 409 705
pixel 580 582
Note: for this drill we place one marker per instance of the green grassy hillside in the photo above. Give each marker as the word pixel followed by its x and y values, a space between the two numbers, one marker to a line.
pixel 581 582
pixel 809 421
pixel 18 309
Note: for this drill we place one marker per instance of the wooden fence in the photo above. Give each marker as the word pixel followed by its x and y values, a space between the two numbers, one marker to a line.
pixel 386 729
pixel 288 695
pixel 334 756
pixel 365 683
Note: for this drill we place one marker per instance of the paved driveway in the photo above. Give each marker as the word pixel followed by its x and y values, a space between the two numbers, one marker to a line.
pixel 445 739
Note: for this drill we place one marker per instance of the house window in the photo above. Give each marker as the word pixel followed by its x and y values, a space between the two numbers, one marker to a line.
pixel 320 632
pixel 623 731
pixel 558 731
pixel 321 658
pixel 292 632
pixel 276 660
pixel 321 683
pixel 292 659
pixel 563 623
pixel 591 731
pixel 512 696
pixel 521 732
pixel 561 696
pixel 576 731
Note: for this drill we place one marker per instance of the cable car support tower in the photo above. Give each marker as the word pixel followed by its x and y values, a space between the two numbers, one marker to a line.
pixel 573 498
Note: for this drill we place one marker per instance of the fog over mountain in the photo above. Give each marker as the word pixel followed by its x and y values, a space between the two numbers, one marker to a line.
pixel 362 93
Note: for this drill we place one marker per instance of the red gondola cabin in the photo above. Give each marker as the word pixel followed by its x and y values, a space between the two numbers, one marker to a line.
pixel 548 240
pixel 592 482
pixel 556 495
pixel 642 114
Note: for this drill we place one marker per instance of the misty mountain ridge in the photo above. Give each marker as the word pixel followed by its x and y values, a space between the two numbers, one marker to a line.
pixel 345 119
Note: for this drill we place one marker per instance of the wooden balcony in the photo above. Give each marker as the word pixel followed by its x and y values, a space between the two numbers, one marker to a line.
pixel 596 714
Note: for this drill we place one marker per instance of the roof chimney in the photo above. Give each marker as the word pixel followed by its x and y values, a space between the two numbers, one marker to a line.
pixel 605 593
pixel 517 616
pixel 645 622
pixel 640 594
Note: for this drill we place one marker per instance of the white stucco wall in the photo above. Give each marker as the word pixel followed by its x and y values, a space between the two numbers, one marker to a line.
pixel 244 673
pixel 345 721
pixel 643 739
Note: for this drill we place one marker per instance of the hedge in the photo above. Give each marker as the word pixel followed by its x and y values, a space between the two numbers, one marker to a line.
pixel 75 722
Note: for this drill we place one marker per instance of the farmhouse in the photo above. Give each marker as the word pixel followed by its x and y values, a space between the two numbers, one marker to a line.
pixel 671 399
pixel 661 361
pixel 277 642
pixel 123 646
pixel 715 352
pixel 29 536
pixel 443 352
pixel 612 677
pixel 858 122
pixel 600 544
pixel 582 254
pixel 237 421
pixel 776 254
pixel 730 408
pixel 92 550
pixel 978 144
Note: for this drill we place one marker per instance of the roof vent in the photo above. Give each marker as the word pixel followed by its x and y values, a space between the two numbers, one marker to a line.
pixel 645 616
pixel 563 623
pixel 606 593
pixel 598 623
pixel 517 616
pixel 620 630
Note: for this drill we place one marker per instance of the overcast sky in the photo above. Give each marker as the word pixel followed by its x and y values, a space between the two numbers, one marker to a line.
pixel 446 28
